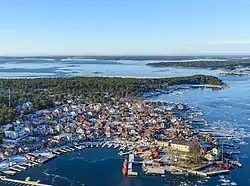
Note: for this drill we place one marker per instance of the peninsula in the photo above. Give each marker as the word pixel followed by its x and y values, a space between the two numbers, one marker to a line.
pixel 47 117
pixel 213 65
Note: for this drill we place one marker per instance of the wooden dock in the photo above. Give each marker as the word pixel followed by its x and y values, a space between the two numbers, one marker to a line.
pixel 21 167
pixel 4 179
pixel 131 158
pixel 215 173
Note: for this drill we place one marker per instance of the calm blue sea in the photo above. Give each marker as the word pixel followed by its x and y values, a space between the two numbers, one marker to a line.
pixel 229 109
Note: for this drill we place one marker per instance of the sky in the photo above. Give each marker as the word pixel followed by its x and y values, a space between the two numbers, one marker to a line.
pixel 124 27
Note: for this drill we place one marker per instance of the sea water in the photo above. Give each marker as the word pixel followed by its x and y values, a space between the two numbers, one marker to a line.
pixel 228 109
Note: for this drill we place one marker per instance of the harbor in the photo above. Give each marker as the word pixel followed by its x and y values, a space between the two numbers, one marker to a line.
pixel 158 138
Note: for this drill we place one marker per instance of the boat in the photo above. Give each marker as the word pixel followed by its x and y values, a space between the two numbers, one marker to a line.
pixel 91 146
pixel 225 166
pixel 110 145
pixel 116 146
pixel 124 172
pixel 233 183
pixel 31 182
pixel 124 168
pixel 103 145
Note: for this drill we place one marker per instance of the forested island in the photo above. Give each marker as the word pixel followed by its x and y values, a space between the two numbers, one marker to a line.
pixel 213 65
pixel 44 92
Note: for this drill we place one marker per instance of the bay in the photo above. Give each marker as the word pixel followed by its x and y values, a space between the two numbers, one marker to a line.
pixel 228 109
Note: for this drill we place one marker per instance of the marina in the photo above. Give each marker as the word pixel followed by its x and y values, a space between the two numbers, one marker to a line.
pixel 154 145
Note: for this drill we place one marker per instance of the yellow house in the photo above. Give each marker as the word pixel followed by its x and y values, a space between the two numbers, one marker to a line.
pixel 180 145
pixel 215 151
pixel 162 143
pixel 209 157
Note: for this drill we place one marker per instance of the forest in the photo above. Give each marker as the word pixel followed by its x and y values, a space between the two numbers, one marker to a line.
pixel 213 65
pixel 44 92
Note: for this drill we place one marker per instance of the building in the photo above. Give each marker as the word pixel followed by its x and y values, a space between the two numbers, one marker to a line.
pixel 155 170
pixel 209 157
pixel 31 157
pixel 180 145
pixel 163 143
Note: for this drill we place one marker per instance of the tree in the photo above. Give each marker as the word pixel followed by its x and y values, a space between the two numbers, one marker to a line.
pixel 195 150
pixel 1 136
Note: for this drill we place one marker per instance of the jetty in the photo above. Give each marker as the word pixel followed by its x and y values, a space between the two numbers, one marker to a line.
pixel 21 167
pixel 15 169
pixel 14 181
pixel 9 172
pixel 125 153
pixel 66 149
pixel 236 163
pixel 131 158
pixel 72 149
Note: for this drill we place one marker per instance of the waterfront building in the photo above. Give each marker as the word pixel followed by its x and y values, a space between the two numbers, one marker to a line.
pixel 180 145
pixel 163 143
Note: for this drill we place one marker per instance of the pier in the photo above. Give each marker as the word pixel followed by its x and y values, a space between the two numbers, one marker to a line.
pixel 131 158
pixel 9 172
pixel 236 163
pixel 15 169
pixel 21 167
pixel 125 153
pixel 205 166
pixel 4 179
pixel 215 173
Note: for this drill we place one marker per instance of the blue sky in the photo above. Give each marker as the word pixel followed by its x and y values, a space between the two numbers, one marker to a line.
pixel 125 27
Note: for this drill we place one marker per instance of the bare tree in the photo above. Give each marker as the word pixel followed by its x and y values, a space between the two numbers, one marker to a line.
pixel 195 149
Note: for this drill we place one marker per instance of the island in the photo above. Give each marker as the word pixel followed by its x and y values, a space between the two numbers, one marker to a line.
pixel 212 65
pixel 43 118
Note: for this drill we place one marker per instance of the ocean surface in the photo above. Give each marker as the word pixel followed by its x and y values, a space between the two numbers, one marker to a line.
pixel 228 108
pixel 31 67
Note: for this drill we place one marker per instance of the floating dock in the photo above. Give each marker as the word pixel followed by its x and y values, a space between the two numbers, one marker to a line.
pixel 9 172
pixel 15 169
pixel 131 158
pixel 66 149
pixel 21 167
pixel 28 164
pixel 215 173
pixel 125 153
pixel 72 149
pixel 63 151
pixel 236 163
pixel 198 173
pixel 13 181
pixel 56 152
pixel 34 163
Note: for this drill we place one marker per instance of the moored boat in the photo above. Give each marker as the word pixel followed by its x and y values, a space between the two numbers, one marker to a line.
pixel 124 168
